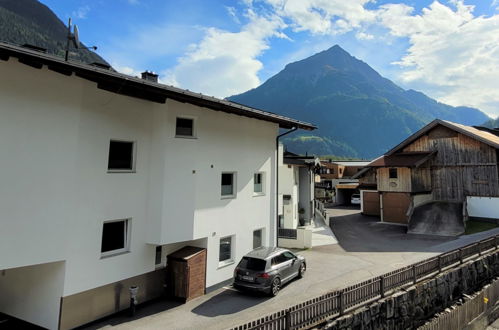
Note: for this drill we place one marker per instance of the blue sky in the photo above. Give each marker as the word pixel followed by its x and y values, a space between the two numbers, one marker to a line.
pixel 448 49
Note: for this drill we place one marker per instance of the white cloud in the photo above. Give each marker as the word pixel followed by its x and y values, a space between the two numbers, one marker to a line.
pixel 452 52
pixel 232 12
pixel 226 63
pixel 81 12
pixel 324 16
pixel 127 70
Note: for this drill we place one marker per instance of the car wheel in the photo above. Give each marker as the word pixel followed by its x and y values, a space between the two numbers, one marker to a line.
pixel 301 271
pixel 275 287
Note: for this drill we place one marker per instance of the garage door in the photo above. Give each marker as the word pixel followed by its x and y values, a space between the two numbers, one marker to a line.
pixel 370 203
pixel 395 206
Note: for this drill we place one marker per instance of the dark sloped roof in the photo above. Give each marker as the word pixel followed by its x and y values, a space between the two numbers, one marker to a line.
pixel 405 159
pixel 477 134
pixel 136 87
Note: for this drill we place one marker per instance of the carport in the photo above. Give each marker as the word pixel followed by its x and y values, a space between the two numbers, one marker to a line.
pixel 344 192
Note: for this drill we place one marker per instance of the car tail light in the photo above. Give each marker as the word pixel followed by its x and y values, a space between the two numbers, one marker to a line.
pixel 264 275
pixel 236 270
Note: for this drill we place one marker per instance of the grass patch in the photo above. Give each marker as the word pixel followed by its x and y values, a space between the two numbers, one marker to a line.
pixel 473 226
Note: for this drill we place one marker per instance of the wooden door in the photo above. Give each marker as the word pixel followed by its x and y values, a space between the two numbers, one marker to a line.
pixel 395 206
pixel 370 203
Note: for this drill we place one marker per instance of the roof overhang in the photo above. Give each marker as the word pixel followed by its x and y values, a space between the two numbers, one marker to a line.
pixel 482 136
pixel 140 88
pixel 402 159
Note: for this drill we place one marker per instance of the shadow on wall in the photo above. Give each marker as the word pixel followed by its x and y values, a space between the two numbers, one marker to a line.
pixel 143 310
pixel 358 233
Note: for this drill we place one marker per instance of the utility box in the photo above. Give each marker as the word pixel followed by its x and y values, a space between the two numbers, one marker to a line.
pixel 186 273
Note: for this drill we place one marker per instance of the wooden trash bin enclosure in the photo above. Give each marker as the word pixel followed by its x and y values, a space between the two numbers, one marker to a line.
pixel 186 273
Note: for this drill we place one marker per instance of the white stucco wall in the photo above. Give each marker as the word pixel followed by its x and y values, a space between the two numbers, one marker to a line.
pixel 288 185
pixel 483 207
pixel 56 191
pixel 33 293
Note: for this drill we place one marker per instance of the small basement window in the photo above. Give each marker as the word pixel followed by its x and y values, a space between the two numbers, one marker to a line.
pixel 228 184
pixel 225 254
pixel 184 127
pixel 258 184
pixel 158 257
pixel 393 174
pixel 257 238
pixel 121 156
pixel 115 237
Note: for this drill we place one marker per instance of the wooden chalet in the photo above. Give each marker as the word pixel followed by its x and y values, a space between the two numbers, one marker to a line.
pixel 444 162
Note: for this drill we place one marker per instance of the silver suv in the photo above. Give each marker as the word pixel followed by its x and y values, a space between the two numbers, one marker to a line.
pixel 266 269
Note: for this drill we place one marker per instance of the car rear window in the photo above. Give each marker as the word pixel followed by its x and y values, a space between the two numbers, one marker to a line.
pixel 355 196
pixel 252 263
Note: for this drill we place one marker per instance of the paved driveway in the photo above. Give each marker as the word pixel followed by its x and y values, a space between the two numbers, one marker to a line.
pixel 366 248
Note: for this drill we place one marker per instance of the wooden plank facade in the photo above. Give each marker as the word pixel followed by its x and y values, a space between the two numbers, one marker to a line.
pixel 449 161
pixel 462 166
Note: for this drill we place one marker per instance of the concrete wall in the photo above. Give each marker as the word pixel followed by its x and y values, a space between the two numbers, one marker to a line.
pixel 483 207
pixel 56 191
pixel 33 293
pixel 303 240
pixel 93 304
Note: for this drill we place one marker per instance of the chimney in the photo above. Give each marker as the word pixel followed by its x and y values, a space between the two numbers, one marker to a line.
pixel 150 76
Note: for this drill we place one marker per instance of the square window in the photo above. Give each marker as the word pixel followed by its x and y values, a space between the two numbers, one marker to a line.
pixel 257 238
pixel 115 237
pixel 258 181
pixel 158 258
pixel 228 184
pixel 121 156
pixel 184 127
pixel 225 255
pixel 393 173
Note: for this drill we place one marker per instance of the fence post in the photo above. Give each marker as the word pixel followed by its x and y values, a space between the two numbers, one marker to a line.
pixel 382 286
pixel 414 275
pixel 439 264
pixel 460 256
pixel 288 319
pixel 342 303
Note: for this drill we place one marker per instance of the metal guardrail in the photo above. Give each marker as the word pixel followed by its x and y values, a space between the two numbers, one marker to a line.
pixel 288 233
pixel 314 311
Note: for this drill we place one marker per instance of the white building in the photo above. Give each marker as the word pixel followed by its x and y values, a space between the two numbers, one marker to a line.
pixel 104 175
pixel 296 196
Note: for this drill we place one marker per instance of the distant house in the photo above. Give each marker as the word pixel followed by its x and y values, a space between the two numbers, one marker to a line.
pixel 435 178
pixel 296 193
pixel 111 181
pixel 336 180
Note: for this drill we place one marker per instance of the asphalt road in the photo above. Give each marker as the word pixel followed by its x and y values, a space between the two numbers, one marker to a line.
pixel 366 248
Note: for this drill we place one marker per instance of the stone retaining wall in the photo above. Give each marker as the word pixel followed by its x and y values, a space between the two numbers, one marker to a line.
pixel 411 307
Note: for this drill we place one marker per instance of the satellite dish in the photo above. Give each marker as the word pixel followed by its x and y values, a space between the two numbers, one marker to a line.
pixel 76 37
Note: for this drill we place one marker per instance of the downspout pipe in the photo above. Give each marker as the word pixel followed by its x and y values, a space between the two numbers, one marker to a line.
pixel 277 182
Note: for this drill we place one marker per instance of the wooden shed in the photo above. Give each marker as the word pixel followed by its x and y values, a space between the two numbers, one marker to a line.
pixel 442 162
pixel 186 273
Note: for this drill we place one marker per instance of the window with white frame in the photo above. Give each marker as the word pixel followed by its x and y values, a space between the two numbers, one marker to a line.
pixel 228 184
pixel 257 238
pixel 121 156
pixel 184 127
pixel 115 237
pixel 258 183
pixel 226 251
